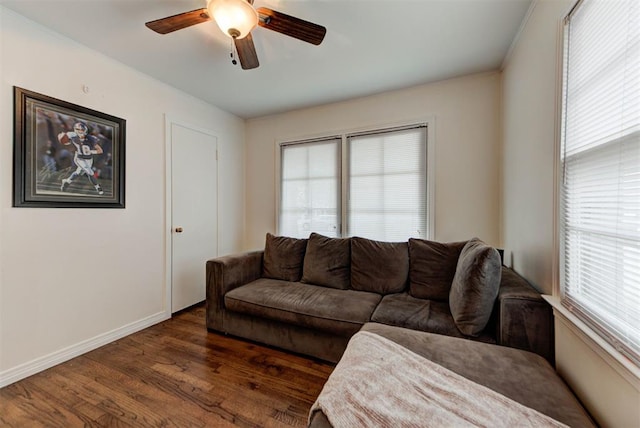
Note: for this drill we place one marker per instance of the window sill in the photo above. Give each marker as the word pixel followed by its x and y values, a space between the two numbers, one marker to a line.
pixel 621 364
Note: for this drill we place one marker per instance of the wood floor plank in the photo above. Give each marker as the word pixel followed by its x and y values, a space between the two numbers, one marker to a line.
pixel 41 408
pixel 195 407
pixel 105 391
pixel 251 363
pixel 279 371
pixel 161 384
pixel 275 363
pixel 175 373
pixel 12 416
pixel 62 395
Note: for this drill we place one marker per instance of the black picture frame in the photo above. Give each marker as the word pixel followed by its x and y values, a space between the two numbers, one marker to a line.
pixel 57 167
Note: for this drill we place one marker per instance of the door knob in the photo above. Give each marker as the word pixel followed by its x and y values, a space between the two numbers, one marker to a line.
pixel 178 230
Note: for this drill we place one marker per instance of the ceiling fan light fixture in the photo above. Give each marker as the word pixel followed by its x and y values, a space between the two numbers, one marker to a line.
pixel 236 18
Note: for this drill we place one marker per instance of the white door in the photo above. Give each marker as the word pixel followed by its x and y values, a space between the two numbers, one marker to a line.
pixel 194 202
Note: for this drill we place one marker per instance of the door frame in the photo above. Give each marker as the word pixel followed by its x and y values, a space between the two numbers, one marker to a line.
pixel 168 229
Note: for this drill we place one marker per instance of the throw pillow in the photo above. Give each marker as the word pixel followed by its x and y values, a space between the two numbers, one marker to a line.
pixel 432 266
pixel 475 287
pixel 327 262
pixel 379 267
pixel 283 257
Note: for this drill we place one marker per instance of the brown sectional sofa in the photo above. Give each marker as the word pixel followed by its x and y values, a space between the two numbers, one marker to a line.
pixel 310 296
pixel 450 303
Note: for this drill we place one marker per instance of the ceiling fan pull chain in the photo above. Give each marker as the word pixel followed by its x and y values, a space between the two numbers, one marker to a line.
pixel 232 54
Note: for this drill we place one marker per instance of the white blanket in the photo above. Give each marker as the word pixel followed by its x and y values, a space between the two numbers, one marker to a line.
pixel 379 383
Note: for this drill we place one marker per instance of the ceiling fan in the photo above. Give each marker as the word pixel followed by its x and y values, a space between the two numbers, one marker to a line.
pixel 236 19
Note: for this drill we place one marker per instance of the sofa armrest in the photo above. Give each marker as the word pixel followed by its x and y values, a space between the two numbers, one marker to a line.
pixel 223 275
pixel 525 319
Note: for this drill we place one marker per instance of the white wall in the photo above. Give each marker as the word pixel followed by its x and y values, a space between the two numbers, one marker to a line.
pixel 467 147
pixel 72 278
pixel 530 84
pixel 529 87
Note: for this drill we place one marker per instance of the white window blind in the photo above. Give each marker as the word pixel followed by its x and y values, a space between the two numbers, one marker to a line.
pixel 600 189
pixel 387 184
pixel 309 193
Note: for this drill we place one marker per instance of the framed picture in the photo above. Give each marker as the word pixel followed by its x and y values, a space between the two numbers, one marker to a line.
pixel 65 155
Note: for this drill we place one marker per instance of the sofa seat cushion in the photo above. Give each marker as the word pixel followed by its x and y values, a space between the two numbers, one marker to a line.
pixel 341 312
pixel 404 310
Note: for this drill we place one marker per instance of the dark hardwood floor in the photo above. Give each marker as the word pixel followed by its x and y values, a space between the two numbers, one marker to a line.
pixel 174 374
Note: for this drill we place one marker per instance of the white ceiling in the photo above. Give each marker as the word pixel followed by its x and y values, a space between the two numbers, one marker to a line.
pixel 370 46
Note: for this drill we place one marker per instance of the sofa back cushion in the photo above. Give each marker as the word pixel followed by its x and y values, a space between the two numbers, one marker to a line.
pixel 327 262
pixel 379 267
pixel 475 286
pixel 432 266
pixel 283 257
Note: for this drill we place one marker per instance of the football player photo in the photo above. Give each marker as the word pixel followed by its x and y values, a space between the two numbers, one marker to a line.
pixel 71 156
pixel 85 148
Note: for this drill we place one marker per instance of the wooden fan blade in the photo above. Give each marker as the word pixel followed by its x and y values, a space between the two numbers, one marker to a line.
pixel 247 52
pixel 179 21
pixel 291 26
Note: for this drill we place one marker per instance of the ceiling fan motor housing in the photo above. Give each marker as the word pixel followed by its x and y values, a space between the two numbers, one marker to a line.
pixel 236 18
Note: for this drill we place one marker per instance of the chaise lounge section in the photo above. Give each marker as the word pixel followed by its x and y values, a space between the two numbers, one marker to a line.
pixel 525 385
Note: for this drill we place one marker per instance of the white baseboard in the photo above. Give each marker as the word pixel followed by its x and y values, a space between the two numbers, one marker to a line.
pixel 22 371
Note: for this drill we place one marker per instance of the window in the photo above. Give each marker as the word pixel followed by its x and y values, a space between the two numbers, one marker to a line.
pixel 371 184
pixel 310 188
pixel 387 185
pixel 600 158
